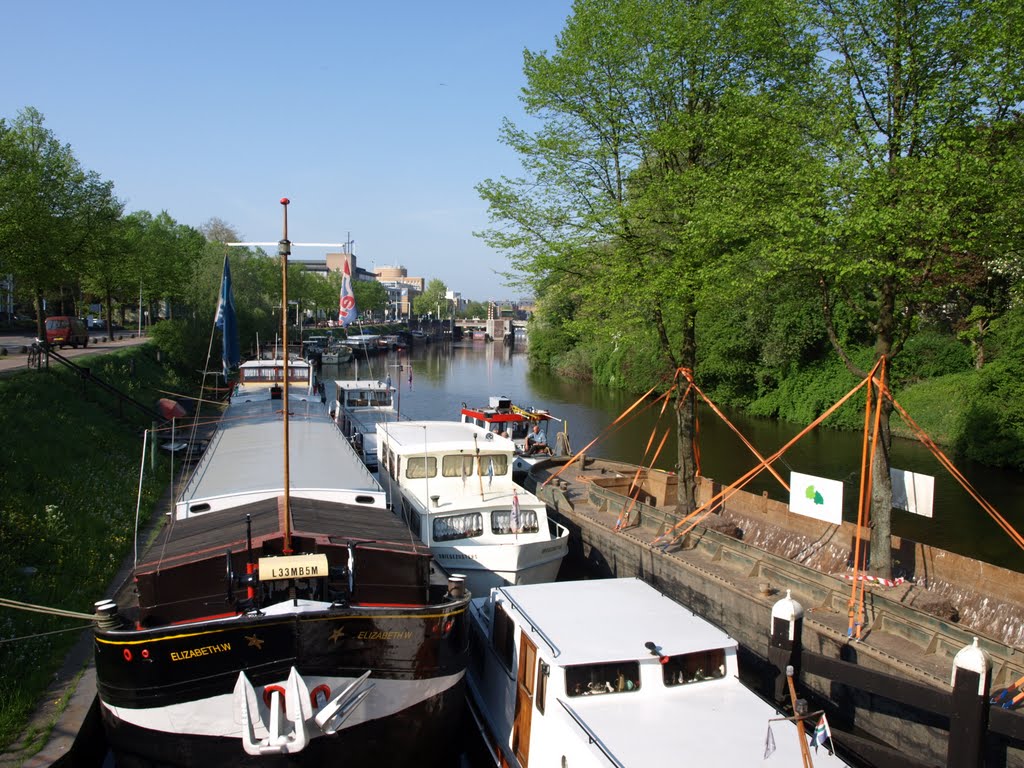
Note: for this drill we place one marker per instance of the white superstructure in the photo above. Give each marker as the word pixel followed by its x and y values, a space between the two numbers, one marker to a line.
pixel 612 673
pixel 452 483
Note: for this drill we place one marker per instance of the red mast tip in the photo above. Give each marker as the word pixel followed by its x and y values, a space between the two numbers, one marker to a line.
pixel 285 201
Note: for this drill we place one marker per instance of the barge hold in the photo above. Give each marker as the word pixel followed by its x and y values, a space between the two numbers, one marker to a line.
pixel 888 695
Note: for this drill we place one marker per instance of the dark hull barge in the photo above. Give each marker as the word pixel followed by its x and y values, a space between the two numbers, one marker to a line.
pixel 274 626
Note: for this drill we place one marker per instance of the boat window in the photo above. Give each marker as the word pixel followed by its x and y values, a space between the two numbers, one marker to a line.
pixel 458 526
pixel 503 636
pixel 420 466
pixel 380 398
pixel 694 667
pixel 543 671
pixel 594 679
pixel 501 521
pixel 457 465
pixel 519 430
pixel 497 460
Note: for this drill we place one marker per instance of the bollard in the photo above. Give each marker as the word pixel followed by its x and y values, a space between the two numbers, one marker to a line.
pixel 968 720
pixel 785 643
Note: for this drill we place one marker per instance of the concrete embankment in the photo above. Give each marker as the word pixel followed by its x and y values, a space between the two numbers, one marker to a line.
pixel 733 567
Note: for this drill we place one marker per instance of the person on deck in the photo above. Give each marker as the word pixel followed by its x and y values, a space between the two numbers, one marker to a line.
pixel 536 442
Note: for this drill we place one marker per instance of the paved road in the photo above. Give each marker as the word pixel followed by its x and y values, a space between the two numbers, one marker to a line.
pixel 14 342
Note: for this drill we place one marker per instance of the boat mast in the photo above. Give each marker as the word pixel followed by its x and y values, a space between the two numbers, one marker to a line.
pixel 283 250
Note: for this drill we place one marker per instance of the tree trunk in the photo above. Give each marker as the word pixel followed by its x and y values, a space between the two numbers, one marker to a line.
pixel 881 497
pixel 687 488
pixel 686 418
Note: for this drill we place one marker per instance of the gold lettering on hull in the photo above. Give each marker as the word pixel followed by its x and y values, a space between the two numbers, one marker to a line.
pixel 379 635
pixel 195 653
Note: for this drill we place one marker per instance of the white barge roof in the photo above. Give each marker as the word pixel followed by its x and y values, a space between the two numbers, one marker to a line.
pixel 246 455
pixel 613 622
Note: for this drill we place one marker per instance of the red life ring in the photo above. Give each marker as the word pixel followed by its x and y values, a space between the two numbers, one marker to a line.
pixel 322 688
pixel 269 691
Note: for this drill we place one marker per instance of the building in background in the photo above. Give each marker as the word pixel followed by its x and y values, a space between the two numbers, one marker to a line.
pixel 402 290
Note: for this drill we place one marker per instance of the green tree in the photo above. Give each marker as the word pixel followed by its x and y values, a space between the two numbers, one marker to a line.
pixel 371 296
pixel 53 213
pixel 434 300
pixel 654 166
pixel 917 91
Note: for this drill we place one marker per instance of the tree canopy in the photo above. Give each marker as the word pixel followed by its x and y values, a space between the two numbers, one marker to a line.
pixel 759 181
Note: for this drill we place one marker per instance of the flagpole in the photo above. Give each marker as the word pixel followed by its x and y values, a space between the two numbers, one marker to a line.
pixel 283 250
pixel 805 751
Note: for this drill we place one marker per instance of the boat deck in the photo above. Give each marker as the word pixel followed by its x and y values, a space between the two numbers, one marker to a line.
pixel 194 539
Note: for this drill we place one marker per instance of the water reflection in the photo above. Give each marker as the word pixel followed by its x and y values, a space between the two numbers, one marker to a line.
pixel 445 376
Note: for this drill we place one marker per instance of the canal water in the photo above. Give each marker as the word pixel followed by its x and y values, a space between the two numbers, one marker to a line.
pixel 445 376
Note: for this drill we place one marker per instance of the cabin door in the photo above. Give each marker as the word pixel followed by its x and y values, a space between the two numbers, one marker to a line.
pixel 525 680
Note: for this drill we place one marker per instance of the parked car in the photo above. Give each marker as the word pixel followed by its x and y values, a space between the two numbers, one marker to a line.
pixel 63 331
pixel 97 324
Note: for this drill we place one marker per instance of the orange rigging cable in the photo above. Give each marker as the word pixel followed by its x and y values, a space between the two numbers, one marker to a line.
pixel 737 485
pixel 611 427
pixel 689 377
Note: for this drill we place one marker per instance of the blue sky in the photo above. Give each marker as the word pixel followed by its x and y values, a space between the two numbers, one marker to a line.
pixel 375 118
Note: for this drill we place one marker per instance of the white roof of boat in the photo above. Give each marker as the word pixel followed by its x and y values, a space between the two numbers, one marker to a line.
pixel 293 362
pixel 434 436
pixel 246 453
pixel 714 725
pixel 360 384
pixel 611 620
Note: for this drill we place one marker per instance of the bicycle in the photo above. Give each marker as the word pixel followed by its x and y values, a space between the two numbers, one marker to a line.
pixel 35 355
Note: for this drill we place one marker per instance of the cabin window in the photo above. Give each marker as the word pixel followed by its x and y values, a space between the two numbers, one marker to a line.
pixel 420 466
pixel 503 637
pixel 501 521
pixel 457 465
pixel 543 672
pixel 694 667
pixel 380 398
pixel 499 461
pixel 458 526
pixel 595 679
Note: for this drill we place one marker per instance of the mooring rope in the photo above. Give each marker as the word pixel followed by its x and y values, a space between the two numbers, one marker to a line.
pixel 44 634
pixel 8 603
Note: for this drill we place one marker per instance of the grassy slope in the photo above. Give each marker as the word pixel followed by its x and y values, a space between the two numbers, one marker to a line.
pixel 69 474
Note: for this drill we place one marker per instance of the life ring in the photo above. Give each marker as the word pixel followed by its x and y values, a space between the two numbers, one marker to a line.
pixel 322 688
pixel 269 691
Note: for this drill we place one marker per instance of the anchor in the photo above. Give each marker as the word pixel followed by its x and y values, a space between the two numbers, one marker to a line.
pixel 296 706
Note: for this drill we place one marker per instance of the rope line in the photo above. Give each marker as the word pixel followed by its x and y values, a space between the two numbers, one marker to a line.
pixel 17 605
pixel 44 634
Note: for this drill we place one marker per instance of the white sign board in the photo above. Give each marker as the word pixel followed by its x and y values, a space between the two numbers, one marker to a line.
pixel 816 497
pixel 912 492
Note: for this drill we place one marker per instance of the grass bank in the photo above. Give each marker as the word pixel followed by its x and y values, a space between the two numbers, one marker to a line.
pixel 69 477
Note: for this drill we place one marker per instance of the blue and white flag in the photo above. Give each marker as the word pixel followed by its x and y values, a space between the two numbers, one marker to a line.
pixel 822 733
pixel 347 300
pixel 227 322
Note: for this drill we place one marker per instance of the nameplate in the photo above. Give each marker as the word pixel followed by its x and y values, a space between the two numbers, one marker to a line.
pixel 292 567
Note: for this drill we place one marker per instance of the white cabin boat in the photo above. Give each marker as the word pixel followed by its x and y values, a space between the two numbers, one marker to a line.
pixel 360 405
pixel 452 483
pixel 336 354
pixel 515 422
pixel 612 673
